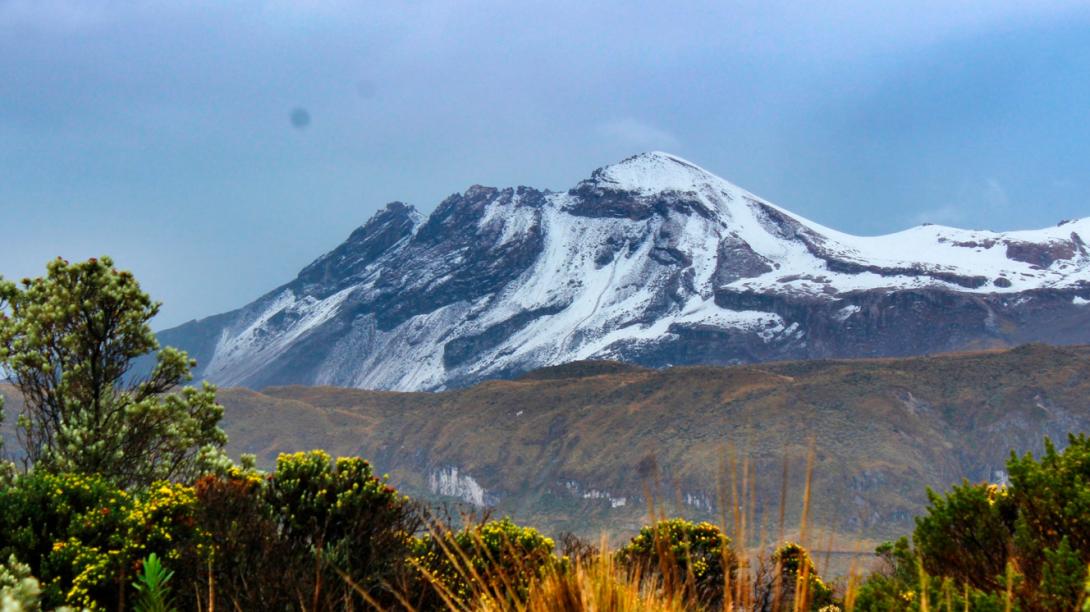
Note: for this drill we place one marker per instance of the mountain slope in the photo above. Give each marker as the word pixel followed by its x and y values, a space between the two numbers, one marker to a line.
pixel 652 261
pixel 577 446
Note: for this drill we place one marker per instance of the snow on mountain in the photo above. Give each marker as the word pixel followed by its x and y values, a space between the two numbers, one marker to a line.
pixel 652 260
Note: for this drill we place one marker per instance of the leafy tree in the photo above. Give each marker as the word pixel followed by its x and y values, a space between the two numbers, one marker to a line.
pixel 69 341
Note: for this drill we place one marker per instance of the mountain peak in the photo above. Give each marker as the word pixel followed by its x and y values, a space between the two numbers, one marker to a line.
pixel 653 172
pixel 653 261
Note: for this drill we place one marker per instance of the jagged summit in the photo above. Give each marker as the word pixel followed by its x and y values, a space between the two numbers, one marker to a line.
pixel 653 261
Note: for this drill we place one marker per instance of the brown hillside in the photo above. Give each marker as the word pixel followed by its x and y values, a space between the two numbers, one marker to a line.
pixel 559 449
pixel 552 450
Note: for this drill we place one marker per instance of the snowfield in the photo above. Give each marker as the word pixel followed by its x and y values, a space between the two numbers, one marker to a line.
pixel 631 264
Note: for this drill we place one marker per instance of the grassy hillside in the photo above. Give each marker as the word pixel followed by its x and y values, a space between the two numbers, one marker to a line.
pixel 561 447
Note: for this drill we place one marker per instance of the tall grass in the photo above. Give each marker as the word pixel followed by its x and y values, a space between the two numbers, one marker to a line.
pixel 599 580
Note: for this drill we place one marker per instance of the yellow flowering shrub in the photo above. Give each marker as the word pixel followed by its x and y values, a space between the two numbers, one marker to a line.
pixel 494 556
pixel 672 548
pixel 83 537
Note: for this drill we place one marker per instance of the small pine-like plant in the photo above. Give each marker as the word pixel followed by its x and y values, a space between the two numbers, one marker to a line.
pixel 152 587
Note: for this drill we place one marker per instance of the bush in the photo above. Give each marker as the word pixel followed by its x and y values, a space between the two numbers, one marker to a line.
pixel 966 535
pixel 494 560
pixel 798 580
pixel 240 557
pixel 83 537
pixel 1033 536
pixel 682 555
pixel 341 518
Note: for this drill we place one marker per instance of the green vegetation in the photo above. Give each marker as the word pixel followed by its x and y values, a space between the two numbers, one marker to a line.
pixel 69 340
pixel 1027 544
pixel 126 502
pixel 685 556
pixel 152 588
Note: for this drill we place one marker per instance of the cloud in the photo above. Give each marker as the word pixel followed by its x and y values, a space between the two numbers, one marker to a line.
pixel 638 135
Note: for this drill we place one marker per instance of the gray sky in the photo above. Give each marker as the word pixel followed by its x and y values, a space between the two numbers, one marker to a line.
pixel 170 134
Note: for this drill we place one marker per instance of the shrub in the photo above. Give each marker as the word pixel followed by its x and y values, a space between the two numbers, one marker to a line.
pixel 1052 497
pixel 683 555
pixel 798 580
pixel 83 537
pixel 1031 538
pixel 240 561
pixel 900 583
pixel 351 529
pixel 72 531
pixel 966 535
pixel 495 561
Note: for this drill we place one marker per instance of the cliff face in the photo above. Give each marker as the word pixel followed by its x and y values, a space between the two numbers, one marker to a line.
pixel 652 261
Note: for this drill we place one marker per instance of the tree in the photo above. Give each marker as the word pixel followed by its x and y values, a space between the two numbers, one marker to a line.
pixel 69 341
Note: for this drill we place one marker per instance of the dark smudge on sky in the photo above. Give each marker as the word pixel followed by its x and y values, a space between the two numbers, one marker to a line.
pixel 300 118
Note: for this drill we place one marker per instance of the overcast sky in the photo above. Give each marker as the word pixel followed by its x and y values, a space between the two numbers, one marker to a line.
pixel 215 148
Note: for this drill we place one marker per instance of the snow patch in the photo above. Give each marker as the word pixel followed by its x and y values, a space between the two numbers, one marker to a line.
pixel 576 489
pixel 845 313
pixel 449 482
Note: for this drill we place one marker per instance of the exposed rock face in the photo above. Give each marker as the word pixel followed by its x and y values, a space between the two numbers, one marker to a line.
pixel 652 261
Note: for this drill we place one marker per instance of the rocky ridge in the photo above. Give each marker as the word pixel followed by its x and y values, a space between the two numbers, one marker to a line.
pixel 653 261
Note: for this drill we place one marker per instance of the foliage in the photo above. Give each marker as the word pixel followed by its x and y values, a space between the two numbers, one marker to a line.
pixel 19 590
pixel 966 535
pixel 354 526
pixel 1031 539
pixel 902 584
pixel 241 562
pixel 69 340
pixel 495 561
pixel 1052 496
pixel 82 536
pixel 7 468
pixel 799 580
pixel 677 552
pixel 152 588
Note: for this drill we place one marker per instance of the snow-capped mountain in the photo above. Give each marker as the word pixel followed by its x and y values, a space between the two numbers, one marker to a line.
pixel 652 260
